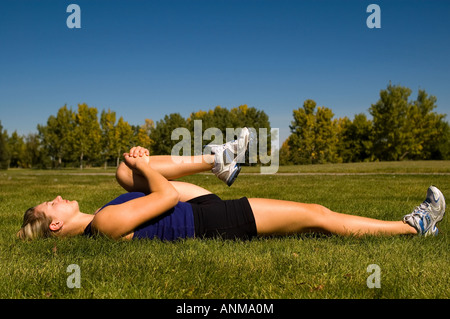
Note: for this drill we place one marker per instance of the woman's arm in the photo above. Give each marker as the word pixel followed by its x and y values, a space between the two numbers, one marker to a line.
pixel 133 181
pixel 119 220
pixel 171 167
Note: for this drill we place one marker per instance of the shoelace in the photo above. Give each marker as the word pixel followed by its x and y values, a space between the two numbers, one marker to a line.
pixel 421 209
pixel 417 217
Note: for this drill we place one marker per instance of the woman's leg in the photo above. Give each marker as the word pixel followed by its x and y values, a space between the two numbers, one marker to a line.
pixel 278 217
pixel 173 167
pixel 134 182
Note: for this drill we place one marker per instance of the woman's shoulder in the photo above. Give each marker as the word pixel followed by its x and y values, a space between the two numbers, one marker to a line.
pixel 125 198
pixel 118 217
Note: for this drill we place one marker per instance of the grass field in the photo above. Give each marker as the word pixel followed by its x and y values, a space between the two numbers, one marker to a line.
pixel 304 266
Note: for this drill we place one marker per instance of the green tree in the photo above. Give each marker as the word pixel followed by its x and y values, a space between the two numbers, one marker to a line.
pixel 124 138
pixel 56 135
pixel 408 129
pixel 162 134
pixel 428 129
pixel 301 140
pixel 34 154
pixel 441 147
pixel 354 138
pixel 86 136
pixel 4 150
pixel 143 134
pixel 313 135
pixel 391 132
pixel 238 117
pixel 108 131
pixel 285 152
pixel 16 146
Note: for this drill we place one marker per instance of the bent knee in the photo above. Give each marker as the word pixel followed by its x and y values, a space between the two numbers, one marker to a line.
pixel 321 215
pixel 321 210
pixel 123 176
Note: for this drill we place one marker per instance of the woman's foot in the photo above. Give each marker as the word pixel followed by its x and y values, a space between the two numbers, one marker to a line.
pixel 229 156
pixel 425 217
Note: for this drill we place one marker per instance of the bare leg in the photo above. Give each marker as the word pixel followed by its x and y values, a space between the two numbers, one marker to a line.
pixel 134 182
pixel 278 217
pixel 173 167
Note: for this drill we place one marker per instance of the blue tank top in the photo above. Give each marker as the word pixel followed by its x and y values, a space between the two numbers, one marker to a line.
pixel 176 223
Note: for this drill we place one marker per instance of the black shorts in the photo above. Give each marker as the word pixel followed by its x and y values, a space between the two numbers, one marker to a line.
pixel 227 219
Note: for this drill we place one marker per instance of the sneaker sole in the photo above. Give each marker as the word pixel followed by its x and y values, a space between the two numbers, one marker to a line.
pixel 433 228
pixel 441 196
pixel 233 176
pixel 241 156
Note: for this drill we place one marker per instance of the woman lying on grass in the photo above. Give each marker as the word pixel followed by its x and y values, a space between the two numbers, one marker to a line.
pixel 157 207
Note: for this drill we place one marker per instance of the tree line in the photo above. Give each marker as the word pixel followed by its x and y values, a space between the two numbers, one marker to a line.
pixel 80 138
pixel 400 129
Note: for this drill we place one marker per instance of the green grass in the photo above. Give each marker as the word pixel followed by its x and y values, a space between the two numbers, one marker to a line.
pixel 304 266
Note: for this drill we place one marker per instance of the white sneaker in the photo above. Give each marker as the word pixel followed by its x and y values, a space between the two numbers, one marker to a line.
pixel 425 217
pixel 229 156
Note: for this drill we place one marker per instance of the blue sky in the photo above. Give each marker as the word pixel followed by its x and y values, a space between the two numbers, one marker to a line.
pixel 146 59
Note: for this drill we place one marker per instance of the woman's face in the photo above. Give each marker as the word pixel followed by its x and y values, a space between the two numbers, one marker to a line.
pixel 59 209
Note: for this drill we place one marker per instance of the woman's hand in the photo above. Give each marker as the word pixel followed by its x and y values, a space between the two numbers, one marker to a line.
pixel 137 158
pixel 138 151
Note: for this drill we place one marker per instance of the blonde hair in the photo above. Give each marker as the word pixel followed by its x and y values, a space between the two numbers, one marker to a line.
pixel 35 225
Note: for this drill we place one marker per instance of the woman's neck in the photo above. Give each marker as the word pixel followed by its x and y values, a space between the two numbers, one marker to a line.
pixel 78 224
